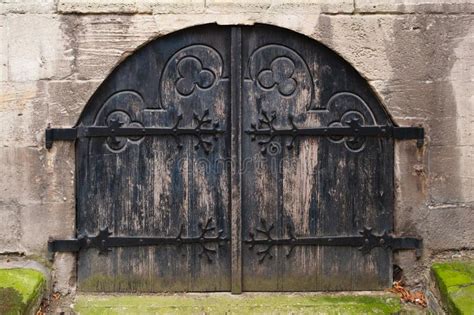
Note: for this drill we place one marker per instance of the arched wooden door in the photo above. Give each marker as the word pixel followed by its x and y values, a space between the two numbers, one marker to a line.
pixel 234 158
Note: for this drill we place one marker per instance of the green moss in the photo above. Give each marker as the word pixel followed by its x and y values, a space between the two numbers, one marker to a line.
pixel 455 281
pixel 11 302
pixel 20 289
pixel 241 304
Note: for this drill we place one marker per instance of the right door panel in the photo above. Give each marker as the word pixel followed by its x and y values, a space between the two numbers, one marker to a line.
pixel 314 186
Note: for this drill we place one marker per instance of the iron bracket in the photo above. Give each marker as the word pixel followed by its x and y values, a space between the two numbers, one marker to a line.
pixel 365 242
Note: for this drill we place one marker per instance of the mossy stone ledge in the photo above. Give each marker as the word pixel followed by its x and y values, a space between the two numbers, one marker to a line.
pixel 21 290
pixel 221 303
pixel 455 281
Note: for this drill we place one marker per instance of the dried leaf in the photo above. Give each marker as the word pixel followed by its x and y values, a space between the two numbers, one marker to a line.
pixel 416 297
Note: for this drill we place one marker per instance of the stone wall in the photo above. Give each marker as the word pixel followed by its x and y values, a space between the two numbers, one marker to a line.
pixel 417 54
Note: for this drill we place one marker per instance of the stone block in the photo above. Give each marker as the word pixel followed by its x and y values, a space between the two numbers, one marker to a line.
pixel 37 48
pixel 414 6
pixel 130 6
pixel 64 273
pixel 311 7
pixel 23 114
pixel 430 104
pixel 27 6
pixel 33 105
pixel 196 6
pixel 361 41
pixel 448 228
pixel 444 227
pixel 3 49
pixel 462 77
pixel 175 6
pixel 402 48
pixel 33 175
pixel 451 175
pixel 41 221
pixel 100 42
pixel 10 228
pixel 228 6
pixel 66 100
pixel 100 6
pixel 411 185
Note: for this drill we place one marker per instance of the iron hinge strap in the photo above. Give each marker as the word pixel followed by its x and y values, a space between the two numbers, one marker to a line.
pixel 71 134
pixel 400 133
pixel 365 242
pixel 204 127
pixel 406 133
pixel 104 242
pixel 53 134
pixel 265 130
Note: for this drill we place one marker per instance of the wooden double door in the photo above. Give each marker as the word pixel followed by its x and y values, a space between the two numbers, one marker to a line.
pixel 230 191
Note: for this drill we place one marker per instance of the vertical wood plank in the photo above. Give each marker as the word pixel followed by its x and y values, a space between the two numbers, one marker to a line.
pixel 236 174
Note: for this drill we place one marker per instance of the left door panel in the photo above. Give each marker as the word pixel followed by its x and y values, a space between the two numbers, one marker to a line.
pixel 160 186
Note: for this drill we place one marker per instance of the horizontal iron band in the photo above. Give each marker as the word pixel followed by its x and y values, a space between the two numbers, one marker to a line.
pixel 394 243
pixel 347 131
pixel 75 245
pixel 365 241
pixel 71 134
pixel 104 242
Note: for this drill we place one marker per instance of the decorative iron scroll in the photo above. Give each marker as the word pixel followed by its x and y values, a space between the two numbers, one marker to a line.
pixel 266 130
pixel 104 242
pixel 366 241
pixel 205 127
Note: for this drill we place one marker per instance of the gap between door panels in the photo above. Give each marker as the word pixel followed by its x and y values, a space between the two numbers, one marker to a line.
pixel 235 174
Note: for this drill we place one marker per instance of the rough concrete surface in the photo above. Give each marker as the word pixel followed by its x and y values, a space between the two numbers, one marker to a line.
pixel 417 55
